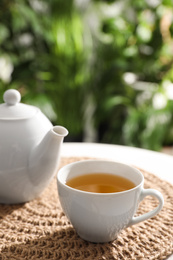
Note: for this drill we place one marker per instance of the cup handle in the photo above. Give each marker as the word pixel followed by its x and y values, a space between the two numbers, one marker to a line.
pixel 152 213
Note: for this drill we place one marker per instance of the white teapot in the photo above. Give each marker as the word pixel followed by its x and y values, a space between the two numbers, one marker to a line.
pixel 29 150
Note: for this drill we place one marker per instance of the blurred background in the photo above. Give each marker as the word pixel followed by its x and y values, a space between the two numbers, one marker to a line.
pixel 102 69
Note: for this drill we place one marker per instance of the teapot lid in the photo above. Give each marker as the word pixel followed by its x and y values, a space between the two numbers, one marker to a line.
pixel 13 109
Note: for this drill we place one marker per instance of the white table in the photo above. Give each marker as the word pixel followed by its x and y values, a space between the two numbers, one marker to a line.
pixel 157 163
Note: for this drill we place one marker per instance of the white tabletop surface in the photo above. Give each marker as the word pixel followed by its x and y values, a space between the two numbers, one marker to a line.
pixel 157 163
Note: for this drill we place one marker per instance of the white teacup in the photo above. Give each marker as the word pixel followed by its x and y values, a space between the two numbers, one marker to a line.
pixel 99 217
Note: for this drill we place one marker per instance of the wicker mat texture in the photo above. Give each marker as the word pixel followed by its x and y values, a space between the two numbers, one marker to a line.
pixel 40 230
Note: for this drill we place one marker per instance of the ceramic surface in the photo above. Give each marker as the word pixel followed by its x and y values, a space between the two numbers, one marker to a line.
pixel 29 150
pixel 100 217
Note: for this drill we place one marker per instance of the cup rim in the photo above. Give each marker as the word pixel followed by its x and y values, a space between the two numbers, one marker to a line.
pixel 96 193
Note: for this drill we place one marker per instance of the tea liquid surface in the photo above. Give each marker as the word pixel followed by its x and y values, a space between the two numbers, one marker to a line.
pixel 100 183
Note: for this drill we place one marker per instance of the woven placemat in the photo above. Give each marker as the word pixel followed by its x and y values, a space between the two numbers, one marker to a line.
pixel 40 230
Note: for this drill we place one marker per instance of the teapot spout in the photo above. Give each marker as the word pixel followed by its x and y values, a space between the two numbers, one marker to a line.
pixel 44 158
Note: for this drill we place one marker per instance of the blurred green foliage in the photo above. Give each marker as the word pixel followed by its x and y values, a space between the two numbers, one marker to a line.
pixel 113 56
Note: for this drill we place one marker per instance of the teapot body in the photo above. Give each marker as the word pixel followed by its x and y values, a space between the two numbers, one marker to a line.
pixel 17 140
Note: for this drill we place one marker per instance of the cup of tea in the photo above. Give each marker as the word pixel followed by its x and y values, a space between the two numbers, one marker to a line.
pixel 100 198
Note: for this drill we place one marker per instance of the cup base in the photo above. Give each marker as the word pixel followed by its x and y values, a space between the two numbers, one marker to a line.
pixel 96 238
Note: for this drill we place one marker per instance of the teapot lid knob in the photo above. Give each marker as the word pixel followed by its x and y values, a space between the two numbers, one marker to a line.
pixel 12 97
